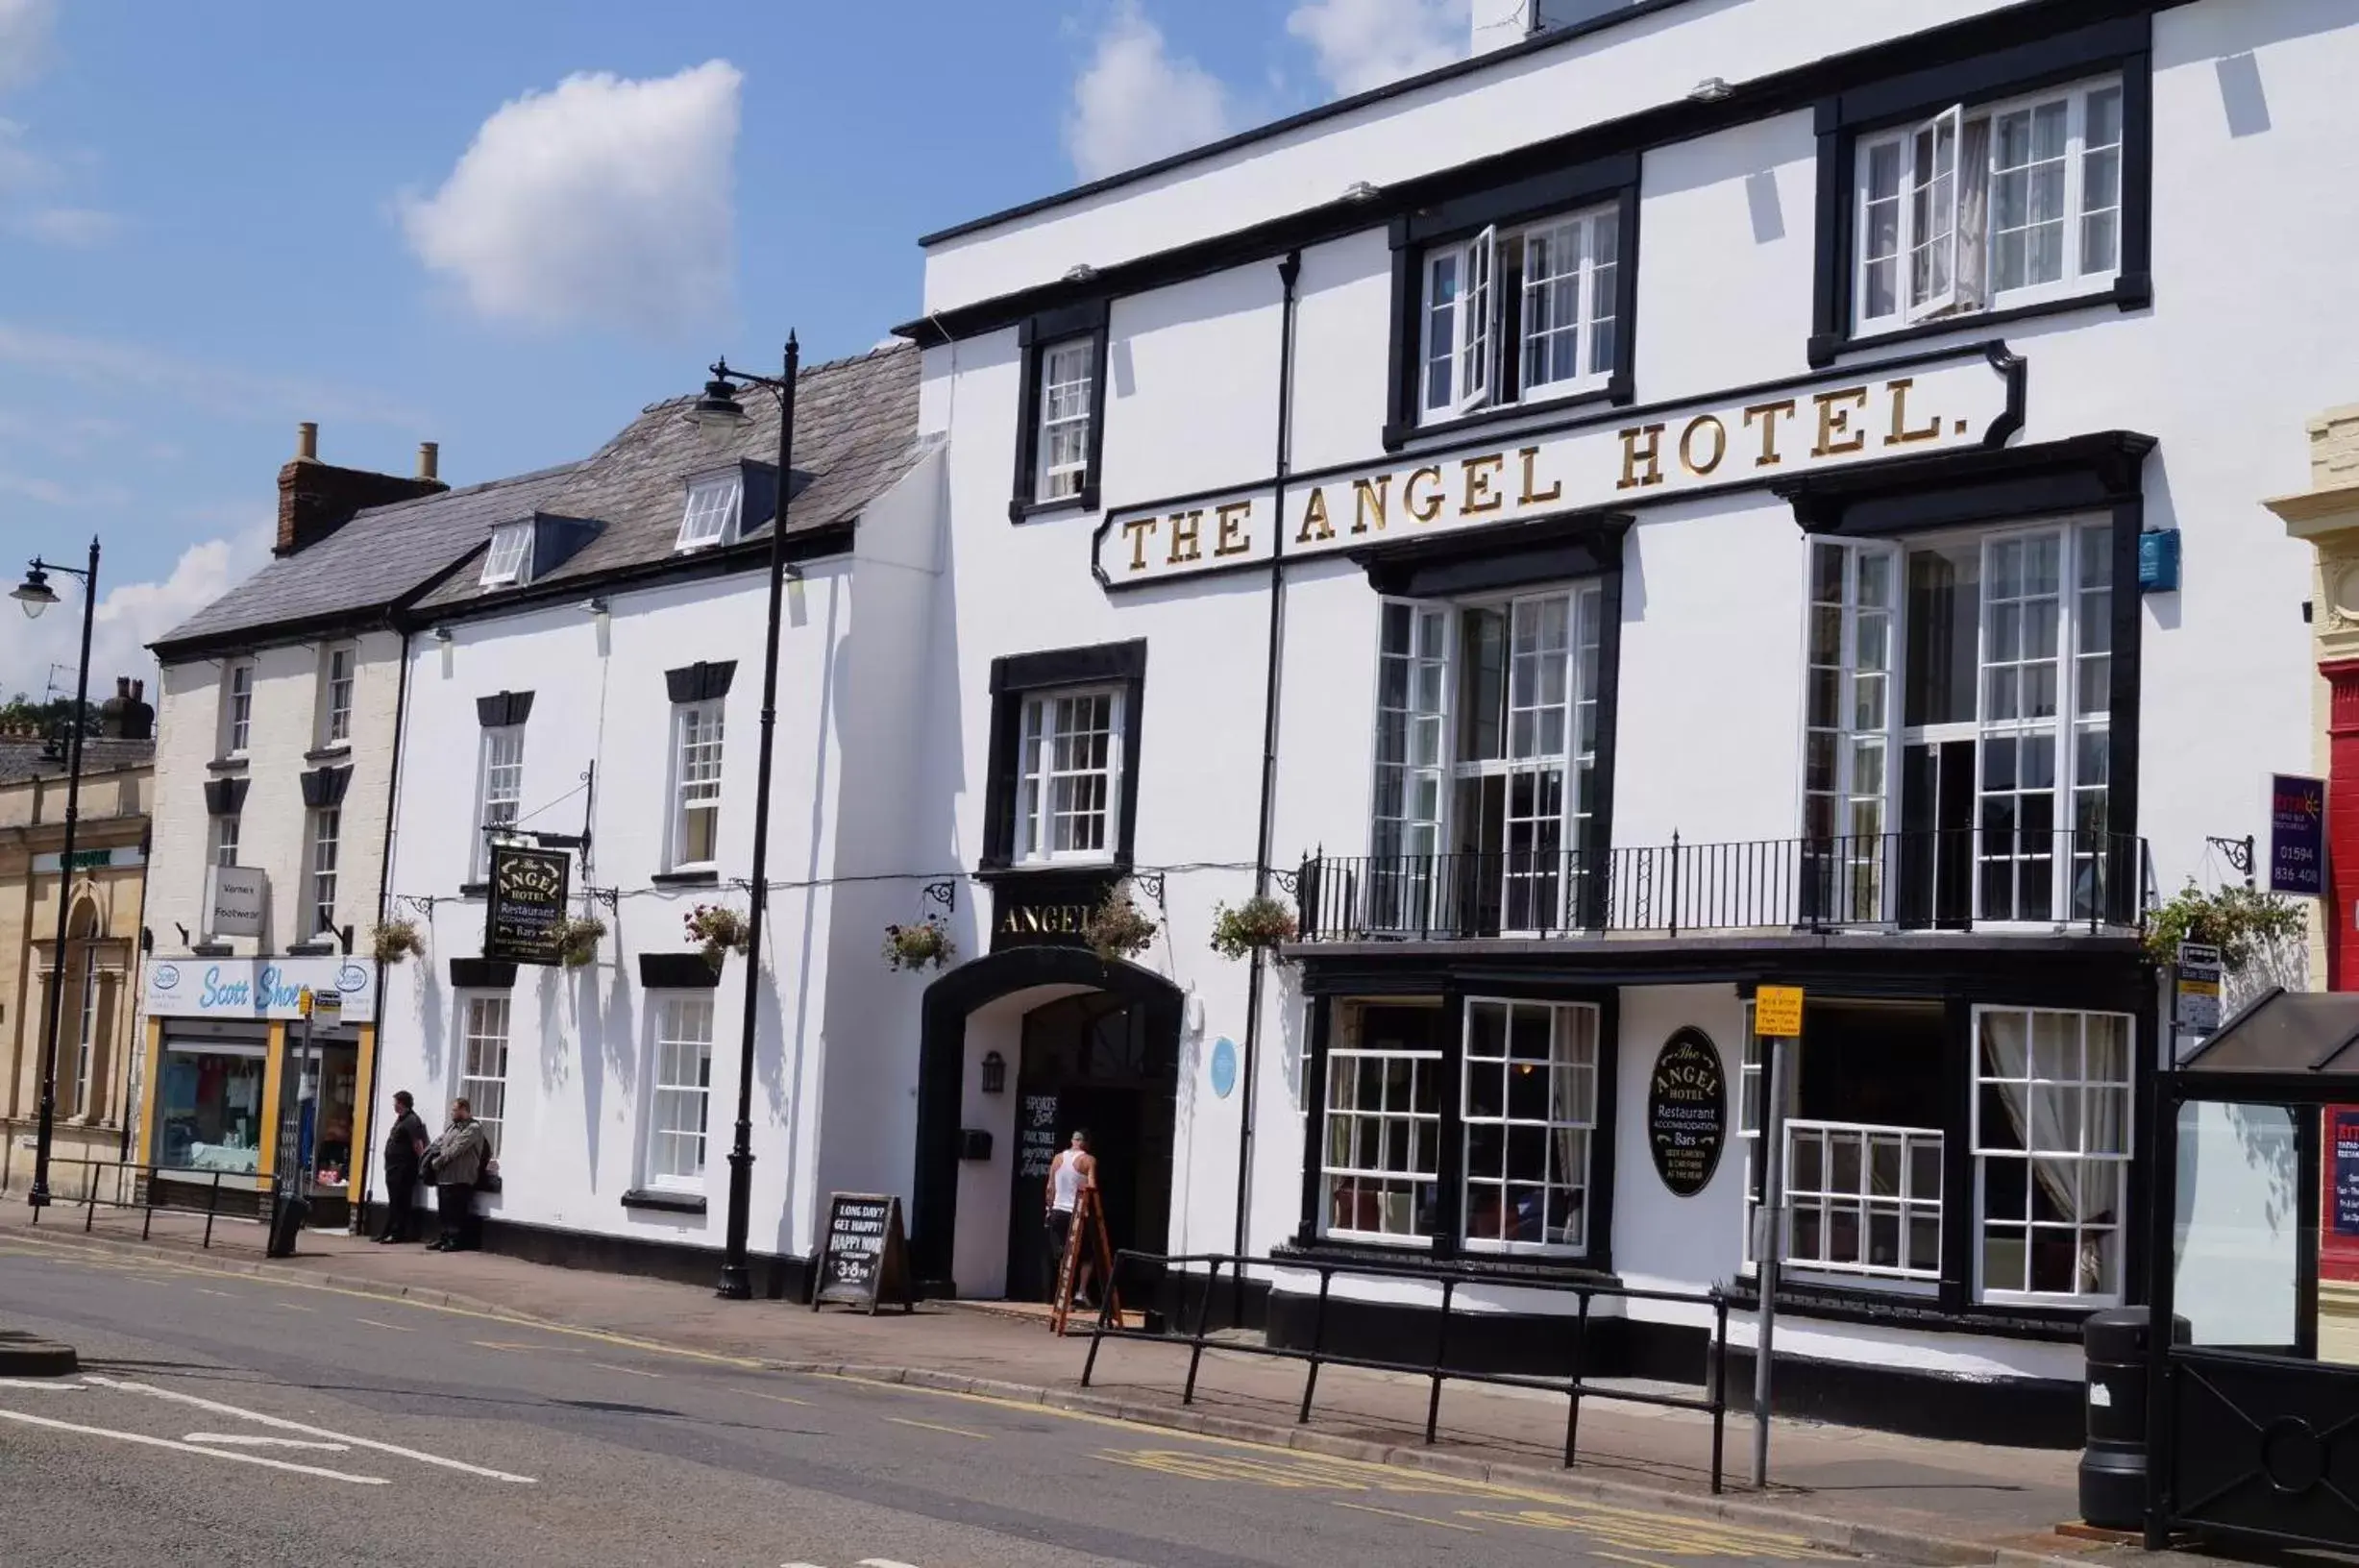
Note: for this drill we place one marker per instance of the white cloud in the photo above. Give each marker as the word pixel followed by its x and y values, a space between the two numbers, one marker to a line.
pixel 77 226
pixel 1134 102
pixel 130 615
pixel 212 389
pixel 24 40
pixel 606 200
pixel 1359 44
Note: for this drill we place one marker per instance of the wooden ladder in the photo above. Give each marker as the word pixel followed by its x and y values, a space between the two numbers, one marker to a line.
pixel 1089 1221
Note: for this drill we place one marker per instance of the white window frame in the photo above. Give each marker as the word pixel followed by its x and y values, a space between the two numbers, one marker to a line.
pixel 323 850
pixel 1066 399
pixel 1462 338
pixel 508 558
pixel 683 1039
pixel 485 1020
pixel 1393 1125
pixel 1958 239
pixel 223 851
pixel 500 789
pixel 236 707
pixel 85 1030
pixel 712 510
pixel 695 786
pixel 1571 1073
pixel 2082 1157
pixel 1039 778
pixel 1407 895
pixel 340 672
pixel 1868 889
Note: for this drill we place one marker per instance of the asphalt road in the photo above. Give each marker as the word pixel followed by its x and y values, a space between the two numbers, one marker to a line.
pixel 223 1421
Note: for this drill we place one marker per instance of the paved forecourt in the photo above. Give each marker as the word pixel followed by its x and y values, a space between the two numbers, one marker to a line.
pixel 226 1417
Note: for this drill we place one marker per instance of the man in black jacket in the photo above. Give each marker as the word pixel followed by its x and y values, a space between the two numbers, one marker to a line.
pixel 404 1146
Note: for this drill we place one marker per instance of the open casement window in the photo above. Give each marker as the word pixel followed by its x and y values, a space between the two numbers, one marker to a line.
pixel 1957 738
pixel 509 559
pixel 710 516
pixel 1988 207
pixel 1519 315
pixel 1484 751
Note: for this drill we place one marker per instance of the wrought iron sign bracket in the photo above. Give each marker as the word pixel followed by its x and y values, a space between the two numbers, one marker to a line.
pixel 943 893
pixel 2238 852
pixel 1150 883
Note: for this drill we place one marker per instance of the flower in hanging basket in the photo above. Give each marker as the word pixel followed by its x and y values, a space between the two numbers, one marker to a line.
pixel 718 929
pixel 1259 922
pixel 1119 928
pixel 577 941
pixel 920 944
pixel 396 940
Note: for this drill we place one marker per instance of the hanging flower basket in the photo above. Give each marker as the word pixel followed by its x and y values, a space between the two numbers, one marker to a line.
pixel 718 929
pixel 920 945
pixel 577 941
pixel 397 940
pixel 2242 922
pixel 1259 922
pixel 1119 928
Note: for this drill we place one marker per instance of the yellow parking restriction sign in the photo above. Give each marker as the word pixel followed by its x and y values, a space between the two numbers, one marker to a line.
pixel 1776 1011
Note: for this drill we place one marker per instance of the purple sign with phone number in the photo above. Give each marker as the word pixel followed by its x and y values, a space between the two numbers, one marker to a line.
pixel 2342 1138
pixel 2296 835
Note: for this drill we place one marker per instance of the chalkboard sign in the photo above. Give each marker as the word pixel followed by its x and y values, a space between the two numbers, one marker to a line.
pixel 2343 1135
pixel 1687 1113
pixel 524 920
pixel 1036 1146
pixel 864 1255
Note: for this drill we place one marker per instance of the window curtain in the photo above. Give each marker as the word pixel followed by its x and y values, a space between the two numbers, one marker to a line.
pixel 2041 1122
pixel 1572 1090
pixel 1973 215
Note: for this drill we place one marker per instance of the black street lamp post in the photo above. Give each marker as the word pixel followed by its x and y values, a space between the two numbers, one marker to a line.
pixel 36 594
pixel 719 412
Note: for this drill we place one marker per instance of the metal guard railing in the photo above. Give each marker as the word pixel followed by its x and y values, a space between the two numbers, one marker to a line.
pixel 1937 879
pixel 1575 1387
pixel 264 1187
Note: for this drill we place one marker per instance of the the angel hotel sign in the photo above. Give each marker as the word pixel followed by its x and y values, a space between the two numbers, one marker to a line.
pixel 1900 409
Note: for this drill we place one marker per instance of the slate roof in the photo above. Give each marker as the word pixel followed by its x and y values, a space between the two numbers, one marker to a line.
pixel 373 563
pixel 24 759
pixel 856 434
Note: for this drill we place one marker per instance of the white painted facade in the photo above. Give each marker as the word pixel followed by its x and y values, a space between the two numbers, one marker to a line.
pixel 577 1103
pixel 2237 346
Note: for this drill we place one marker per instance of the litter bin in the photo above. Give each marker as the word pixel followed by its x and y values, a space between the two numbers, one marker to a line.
pixel 287 1212
pixel 2113 1466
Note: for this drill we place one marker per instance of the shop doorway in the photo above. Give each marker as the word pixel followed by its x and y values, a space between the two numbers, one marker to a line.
pixel 1095 1063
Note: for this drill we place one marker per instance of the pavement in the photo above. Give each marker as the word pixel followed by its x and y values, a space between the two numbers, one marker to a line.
pixel 1834 1490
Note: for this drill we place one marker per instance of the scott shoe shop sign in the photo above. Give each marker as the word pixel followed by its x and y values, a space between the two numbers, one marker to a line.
pixel 257 988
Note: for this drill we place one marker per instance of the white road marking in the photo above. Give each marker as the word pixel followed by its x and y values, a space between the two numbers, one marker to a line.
pixel 284 1424
pixel 883 1563
pixel 188 1448
pixel 627 1371
pixel 239 1439
pixel 397 1329
pixel 44 1385
pixel 203 1292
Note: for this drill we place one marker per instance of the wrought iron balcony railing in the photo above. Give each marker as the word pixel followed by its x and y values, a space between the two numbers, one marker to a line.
pixel 1951 880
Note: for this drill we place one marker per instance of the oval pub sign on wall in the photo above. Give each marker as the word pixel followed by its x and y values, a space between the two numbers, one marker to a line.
pixel 1687 1112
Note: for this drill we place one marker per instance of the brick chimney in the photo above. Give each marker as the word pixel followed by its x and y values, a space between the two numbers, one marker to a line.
pixel 124 716
pixel 315 499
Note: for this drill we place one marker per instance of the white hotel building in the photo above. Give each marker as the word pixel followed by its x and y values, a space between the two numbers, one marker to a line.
pixel 1677 484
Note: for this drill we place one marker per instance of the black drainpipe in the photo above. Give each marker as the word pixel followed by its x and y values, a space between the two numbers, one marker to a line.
pixel 359 1190
pixel 1288 271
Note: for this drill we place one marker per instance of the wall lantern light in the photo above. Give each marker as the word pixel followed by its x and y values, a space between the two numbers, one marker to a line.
pixel 994 1073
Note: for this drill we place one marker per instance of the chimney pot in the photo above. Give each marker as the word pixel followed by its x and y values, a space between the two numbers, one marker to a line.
pixel 139 689
pixel 429 459
pixel 122 686
pixel 307 442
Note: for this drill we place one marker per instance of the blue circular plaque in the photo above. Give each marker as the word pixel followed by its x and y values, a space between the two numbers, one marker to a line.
pixel 1224 1066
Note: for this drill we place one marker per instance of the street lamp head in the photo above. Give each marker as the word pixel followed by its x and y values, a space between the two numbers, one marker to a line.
pixel 35 592
pixel 718 415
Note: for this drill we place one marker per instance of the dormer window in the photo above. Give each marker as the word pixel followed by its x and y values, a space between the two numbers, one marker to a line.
pixel 713 505
pixel 510 557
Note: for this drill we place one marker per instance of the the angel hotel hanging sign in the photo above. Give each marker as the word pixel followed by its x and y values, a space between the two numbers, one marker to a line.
pixel 1627 457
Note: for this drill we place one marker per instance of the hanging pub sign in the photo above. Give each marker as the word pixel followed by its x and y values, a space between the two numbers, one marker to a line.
pixel 1902 407
pixel 864 1255
pixel 2297 835
pixel 523 922
pixel 1686 1112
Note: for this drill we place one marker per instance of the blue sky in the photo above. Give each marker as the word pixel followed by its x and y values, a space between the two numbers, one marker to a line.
pixel 505 226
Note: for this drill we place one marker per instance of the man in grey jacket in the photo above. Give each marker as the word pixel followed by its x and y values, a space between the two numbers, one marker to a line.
pixel 455 1164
